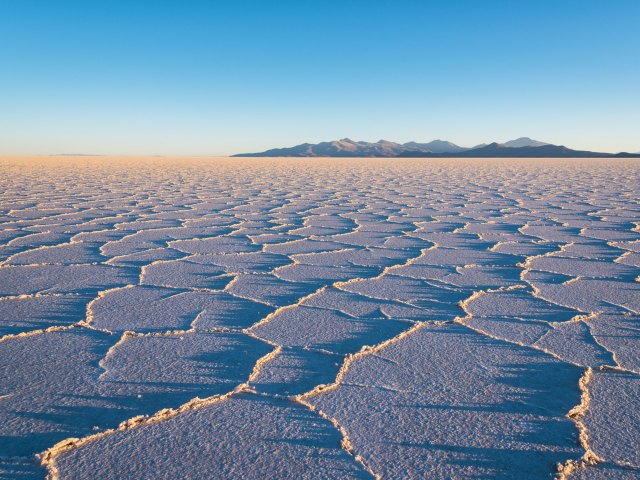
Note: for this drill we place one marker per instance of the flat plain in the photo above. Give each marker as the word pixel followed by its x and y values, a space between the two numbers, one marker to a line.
pixel 168 318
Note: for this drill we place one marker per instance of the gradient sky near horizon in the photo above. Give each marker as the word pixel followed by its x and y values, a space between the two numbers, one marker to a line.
pixel 219 77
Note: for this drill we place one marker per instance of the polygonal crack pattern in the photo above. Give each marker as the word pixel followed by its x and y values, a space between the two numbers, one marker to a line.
pixel 271 318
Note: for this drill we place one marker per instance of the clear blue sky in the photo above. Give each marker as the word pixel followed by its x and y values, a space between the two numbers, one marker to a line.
pixel 217 77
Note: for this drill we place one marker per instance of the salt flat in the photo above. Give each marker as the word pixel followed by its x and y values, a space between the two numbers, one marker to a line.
pixel 319 318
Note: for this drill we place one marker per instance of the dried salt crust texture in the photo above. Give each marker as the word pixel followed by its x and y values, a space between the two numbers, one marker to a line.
pixel 272 318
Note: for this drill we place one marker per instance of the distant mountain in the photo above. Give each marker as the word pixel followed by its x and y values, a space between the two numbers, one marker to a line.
pixel 435 146
pixel 497 150
pixel 523 142
pixel 337 148
pixel 349 148
pixel 523 147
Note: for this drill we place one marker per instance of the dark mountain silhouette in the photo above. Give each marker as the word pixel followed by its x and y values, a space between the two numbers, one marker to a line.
pixel 497 150
pixel 523 142
pixel 523 147
pixel 337 148
pixel 349 148
pixel 435 146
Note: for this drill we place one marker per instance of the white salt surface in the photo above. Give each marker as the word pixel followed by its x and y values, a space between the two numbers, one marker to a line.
pixel 290 318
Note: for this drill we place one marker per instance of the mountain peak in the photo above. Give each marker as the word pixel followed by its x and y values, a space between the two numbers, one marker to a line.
pixel 523 142
pixel 435 146
pixel 523 147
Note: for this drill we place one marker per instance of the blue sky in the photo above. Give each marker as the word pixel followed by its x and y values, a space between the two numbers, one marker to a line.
pixel 217 77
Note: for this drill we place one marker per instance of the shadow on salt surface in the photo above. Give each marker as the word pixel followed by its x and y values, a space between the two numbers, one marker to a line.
pixel 224 310
pixel 143 308
pixel 245 436
pixel 520 304
pixel 398 288
pixel 269 289
pixel 17 470
pixel 446 402
pixel 65 254
pixel 28 241
pixel 179 367
pixel 324 274
pixel 296 370
pixel 259 262
pixel 607 471
pixel 587 294
pixel 73 393
pixel 477 277
pixel 145 257
pixel 523 397
pixel 19 315
pixel 327 329
pixel 80 279
pixel 185 274
pixel 148 309
pixel 619 334
pixel 612 419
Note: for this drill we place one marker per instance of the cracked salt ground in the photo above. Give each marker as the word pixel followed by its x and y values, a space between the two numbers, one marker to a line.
pixel 184 274
pixel 446 402
pixel 73 383
pixel 24 314
pixel 60 279
pixel 319 319
pixel 244 436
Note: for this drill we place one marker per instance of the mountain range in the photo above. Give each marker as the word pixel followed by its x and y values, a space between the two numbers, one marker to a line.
pixel 523 147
